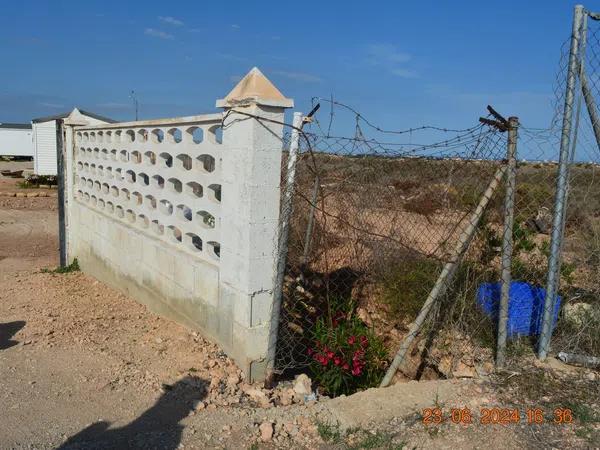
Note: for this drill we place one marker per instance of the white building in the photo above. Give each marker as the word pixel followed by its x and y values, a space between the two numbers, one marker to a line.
pixel 44 137
pixel 16 139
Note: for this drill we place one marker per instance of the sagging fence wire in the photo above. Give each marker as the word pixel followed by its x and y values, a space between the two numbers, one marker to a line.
pixel 373 223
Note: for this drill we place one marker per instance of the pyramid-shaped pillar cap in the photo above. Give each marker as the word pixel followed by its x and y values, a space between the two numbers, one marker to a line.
pixel 255 88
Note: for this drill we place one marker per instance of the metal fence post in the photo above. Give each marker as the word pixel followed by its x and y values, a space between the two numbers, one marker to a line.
pixel 580 95
pixel 561 188
pixel 507 241
pixel 282 246
pixel 60 181
pixel 586 91
pixel 311 220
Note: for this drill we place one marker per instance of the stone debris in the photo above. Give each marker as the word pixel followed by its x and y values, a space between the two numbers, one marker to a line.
pixel 266 431
pixel 302 385
pixel 542 222
pixel 259 397
pixel 286 397
pixel 581 313
pixel 463 371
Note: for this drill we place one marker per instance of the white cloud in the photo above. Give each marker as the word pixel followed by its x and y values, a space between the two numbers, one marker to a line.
pixel 230 57
pixel 171 21
pixel 51 105
pixel 298 76
pixel 389 58
pixel 114 105
pixel 386 54
pixel 404 73
pixel 157 33
pixel 235 26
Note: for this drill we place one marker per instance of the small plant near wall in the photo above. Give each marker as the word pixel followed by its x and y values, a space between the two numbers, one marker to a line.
pixel 73 267
pixel 346 355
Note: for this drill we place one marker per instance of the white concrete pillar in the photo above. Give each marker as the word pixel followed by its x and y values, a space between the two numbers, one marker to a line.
pixel 72 224
pixel 251 172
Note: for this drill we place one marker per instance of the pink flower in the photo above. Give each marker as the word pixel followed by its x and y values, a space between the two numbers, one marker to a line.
pixel 364 341
pixel 358 354
pixel 330 354
pixel 310 351
pixel 337 318
pixel 337 360
pixel 321 359
pixel 351 340
pixel 356 371
pixel 346 366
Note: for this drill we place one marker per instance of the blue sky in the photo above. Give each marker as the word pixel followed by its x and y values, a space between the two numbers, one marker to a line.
pixel 401 63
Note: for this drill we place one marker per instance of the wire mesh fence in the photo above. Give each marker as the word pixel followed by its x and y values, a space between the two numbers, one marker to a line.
pixel 375 219
pixel 577 313
pixel 578 328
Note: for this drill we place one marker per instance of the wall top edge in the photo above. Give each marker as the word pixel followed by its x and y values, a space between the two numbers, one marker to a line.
pixel 187 120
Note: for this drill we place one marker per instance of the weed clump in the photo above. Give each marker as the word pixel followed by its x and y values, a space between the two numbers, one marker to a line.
pixel 406 284
pixel 73 267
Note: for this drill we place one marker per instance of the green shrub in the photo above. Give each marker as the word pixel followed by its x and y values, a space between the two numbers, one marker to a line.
pixel 469 197
pixel 534 195
pixel 34 180
pixel 425 204
pixel 73 267
pixel 329 432
pixel 522 238
pixel 406 285
pixel 347 356
pixel 459 309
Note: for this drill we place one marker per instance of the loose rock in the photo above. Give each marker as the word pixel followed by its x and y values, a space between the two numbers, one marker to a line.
pixel 266 431
pixel 302 385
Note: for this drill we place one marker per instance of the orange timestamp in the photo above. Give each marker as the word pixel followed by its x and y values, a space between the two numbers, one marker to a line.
pixel 495 416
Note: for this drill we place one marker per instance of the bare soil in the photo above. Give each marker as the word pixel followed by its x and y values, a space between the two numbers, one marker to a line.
pixel 83 366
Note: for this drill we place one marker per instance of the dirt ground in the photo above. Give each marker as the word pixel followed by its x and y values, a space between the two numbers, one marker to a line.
pixel 83 366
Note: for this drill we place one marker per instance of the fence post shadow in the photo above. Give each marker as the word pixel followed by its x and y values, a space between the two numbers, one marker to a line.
pixel 7 331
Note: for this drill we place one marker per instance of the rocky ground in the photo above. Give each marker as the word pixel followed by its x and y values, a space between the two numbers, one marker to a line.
pixel 83 366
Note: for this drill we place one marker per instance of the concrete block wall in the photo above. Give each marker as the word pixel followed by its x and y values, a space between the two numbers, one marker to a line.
pixel 182 214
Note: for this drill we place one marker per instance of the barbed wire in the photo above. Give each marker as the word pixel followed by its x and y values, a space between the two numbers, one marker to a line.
pixel 360 118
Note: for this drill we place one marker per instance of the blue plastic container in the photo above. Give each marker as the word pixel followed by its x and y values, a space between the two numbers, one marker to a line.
pixel 525 308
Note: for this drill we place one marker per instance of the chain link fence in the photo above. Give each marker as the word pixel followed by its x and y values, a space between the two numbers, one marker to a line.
pixel 578 328
pixel 375 219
